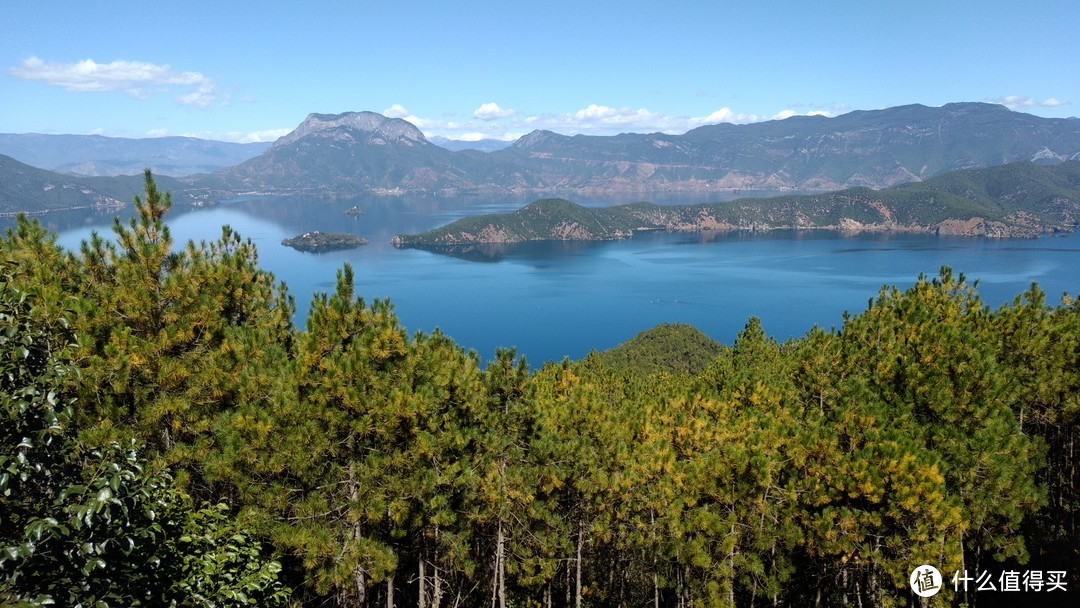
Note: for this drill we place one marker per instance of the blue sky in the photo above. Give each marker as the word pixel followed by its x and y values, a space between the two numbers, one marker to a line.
pixel 249 71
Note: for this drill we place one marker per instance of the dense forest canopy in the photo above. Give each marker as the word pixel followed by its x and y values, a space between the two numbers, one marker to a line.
pixel 170 438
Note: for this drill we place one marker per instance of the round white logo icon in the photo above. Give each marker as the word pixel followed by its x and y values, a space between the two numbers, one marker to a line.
pixel 925 581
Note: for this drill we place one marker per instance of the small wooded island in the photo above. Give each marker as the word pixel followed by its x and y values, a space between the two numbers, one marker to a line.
pixel 320 242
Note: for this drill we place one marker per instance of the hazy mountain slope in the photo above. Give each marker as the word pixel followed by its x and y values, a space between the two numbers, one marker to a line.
pixel 94 155
pixel 457 145
pixel 31 190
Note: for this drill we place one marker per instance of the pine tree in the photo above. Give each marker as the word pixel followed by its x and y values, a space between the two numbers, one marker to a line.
pixel 928 355
pixel 171 339
pixel 1040 345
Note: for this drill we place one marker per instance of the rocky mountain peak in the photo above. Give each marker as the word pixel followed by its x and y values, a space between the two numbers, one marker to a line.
pixel 535 138
pixel 377 127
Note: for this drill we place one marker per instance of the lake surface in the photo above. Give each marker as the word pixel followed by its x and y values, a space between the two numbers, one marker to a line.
pixel 551 300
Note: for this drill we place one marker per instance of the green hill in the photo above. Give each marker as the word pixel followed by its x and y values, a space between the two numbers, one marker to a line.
pixel 674 348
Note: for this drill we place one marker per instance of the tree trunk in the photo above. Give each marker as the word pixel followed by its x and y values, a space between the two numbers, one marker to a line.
pixel 569 586
pixel 390 591
pixel 423 586
pixel 577 580
pixel 436 596
pixel 498 591
pixel 502 578
pixel 498 584
pixel 655 565
pixel 729 580
pixel 359 584
pixel 963 566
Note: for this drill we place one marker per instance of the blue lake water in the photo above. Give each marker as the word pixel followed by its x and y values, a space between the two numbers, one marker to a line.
pixel 551 300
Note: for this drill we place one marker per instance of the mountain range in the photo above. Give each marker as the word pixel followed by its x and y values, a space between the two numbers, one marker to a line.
pixel 355 153
pixel 96 155
pixel 364 153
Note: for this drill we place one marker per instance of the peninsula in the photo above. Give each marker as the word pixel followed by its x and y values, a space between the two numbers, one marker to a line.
pixel 1020 200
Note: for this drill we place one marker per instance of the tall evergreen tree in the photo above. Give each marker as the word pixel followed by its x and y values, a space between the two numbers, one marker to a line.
pixel 928 354
pixel 170 339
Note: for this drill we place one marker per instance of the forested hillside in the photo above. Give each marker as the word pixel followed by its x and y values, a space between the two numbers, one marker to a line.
pixel 26 189
pixel 169 435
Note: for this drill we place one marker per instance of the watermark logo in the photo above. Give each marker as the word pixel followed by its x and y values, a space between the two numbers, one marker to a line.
pixel 925 581
pixel 1012 580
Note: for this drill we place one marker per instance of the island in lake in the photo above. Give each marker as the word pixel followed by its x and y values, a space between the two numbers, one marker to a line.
pixel 319 242
pixel 1020 200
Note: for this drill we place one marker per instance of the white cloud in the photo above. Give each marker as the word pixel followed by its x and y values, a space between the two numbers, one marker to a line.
pixel 722 115
pixel 604 120
pixel 492 122
pixel 200 98
pixel 1019 102
pixel 399 111
pixel 136 78
pixel 1015 102
pixel 472 136
pixel 605 115
pixel 396 111
pixel 599 119
pixel 595 112
pixel 239 137
pixel 492 111
pixel 157 133
pixel 266 135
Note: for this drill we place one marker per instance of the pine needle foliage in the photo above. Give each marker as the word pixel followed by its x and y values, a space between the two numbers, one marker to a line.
pixel 387 469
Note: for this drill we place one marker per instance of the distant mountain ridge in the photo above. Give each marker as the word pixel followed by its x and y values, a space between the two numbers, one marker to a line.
pixel 21 185
pixel 457 145
pixel 1015 200
pixel 343 155
pixel 96 155
pixel 364 153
